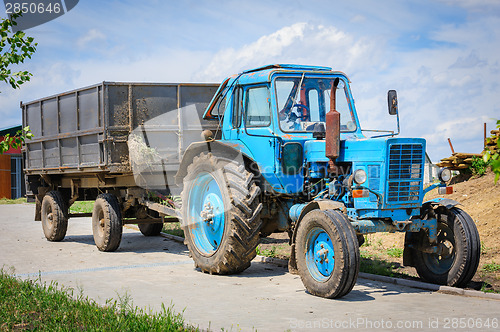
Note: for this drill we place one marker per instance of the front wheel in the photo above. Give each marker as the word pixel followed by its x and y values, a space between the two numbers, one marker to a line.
pixel 107 222
pixel 220 214
pixel 460 249
pixel 327 253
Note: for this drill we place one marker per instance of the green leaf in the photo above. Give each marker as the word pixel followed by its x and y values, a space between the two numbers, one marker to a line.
pixel 486 156
pixel 15 48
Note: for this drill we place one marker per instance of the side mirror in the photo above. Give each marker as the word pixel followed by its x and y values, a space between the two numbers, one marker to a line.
pixel 392 102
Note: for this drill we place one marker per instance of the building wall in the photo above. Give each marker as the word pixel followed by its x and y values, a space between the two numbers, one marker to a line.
pixel 11 170
pixel 17 185
pixel 5 176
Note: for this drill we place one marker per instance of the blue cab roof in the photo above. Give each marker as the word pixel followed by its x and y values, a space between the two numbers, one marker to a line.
pixel 263 74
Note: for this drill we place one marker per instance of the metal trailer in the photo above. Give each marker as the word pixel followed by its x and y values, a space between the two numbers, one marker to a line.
pixel 80 151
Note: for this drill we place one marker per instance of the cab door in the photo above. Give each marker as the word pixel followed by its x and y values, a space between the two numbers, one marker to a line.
pixel 257 133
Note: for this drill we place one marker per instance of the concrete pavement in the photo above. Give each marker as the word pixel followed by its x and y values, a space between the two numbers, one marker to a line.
pixel 265 297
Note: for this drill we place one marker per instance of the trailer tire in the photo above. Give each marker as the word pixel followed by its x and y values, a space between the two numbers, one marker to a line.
pixel 456 231
pixel 221 214
pixel 107 222
pixel 150 229
pixel 327 253
pixel 54 216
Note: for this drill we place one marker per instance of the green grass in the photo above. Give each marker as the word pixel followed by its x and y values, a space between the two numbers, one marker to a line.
pixel 487 288
pixel 368 241
pixel 267 252
pixel 173 228
pixel 30 305
pixel 365 254
pixel 484 248
pixel 479 166
pixel 82 207
pixel 380 267
pixel 395 252
pixel 12 201
pixel 491 267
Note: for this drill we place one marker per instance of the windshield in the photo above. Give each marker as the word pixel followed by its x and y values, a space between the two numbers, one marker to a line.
pixel 300 109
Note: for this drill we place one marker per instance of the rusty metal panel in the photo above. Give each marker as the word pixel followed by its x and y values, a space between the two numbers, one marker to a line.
pixel 88 108
pixel 33 119
pixel 5 184
pixel 50 153
pixel 117 97
pixel 34 151
pixel 200 96
pixel 150 101
pixel 68 119
pixel 89 150
pixel 69 152
pixel 50 117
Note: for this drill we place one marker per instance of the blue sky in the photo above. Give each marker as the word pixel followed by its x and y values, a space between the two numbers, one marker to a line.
pixel 442 56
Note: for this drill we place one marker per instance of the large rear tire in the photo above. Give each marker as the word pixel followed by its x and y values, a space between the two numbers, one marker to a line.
pixel 54 216
pixel 327 253
pixel 107 222
pixel 221 214
pixel 458 236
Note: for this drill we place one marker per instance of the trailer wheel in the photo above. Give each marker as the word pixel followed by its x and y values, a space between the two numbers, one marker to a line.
pixel 327 253
pixel 461 249
pixel 150 229
pixel 107 222
pixel 54 216
pixel 221 214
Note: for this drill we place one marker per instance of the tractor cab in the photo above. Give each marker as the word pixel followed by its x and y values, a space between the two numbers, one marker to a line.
pixel 277 116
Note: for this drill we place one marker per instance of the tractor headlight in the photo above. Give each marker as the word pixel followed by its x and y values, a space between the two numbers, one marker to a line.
pixel 360 176
pixel 444 175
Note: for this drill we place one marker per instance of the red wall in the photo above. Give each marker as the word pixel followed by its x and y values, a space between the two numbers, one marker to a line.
pixel 11 150
pixel 4 176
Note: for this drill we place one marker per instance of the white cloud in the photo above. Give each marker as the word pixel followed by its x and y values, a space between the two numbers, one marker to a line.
pixel 475 5
pixel 302 43
pixel 92 36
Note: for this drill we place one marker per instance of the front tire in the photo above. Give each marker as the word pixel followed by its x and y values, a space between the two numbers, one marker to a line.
pixel 107 222
pixel 221 214
pixel 54 216
pixel 327 253
pixel 458 235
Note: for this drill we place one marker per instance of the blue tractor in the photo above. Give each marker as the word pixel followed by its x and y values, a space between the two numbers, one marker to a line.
pixel 289 155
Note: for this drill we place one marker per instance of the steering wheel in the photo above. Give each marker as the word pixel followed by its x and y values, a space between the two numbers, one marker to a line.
pixel 303 116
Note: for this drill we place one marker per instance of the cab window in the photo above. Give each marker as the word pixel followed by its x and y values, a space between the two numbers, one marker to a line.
pixel 258 107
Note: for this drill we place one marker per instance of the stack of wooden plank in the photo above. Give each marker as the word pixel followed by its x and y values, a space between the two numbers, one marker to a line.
pixel 491 142
pixel 458 161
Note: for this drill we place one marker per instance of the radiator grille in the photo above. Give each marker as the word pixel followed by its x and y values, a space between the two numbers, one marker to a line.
pixel 405 172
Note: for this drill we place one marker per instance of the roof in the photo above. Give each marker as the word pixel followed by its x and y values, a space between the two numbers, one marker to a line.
pixel 288 66
pixel 264 73
pixel 10 130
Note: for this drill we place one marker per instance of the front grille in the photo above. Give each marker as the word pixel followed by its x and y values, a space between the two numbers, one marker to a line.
pixel 405 172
